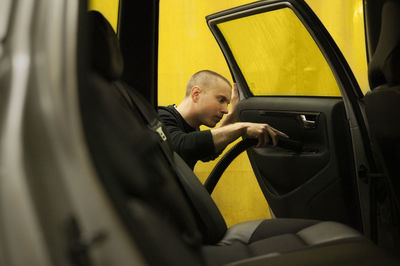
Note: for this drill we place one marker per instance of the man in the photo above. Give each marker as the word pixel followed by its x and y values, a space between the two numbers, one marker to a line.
pixel 206 103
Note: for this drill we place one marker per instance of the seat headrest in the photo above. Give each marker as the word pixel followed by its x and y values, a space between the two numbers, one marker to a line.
pixel 105 53
pixel 384 67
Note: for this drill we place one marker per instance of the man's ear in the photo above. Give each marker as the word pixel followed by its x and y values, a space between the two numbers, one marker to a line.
pixel 195 94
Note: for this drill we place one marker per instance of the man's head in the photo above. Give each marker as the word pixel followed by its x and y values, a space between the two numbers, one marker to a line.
pixel 210 94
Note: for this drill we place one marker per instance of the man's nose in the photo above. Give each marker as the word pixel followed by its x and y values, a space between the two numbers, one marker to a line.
pixel 224 109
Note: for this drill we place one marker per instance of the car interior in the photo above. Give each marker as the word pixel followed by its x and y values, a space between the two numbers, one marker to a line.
pixel 170 214
pixel 88 176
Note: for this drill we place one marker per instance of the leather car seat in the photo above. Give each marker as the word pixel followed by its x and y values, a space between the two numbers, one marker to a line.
pixel 220 245
pixel 382 103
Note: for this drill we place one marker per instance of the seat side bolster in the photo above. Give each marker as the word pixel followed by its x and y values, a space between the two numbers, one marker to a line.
pixel 240 233
pixel 327 232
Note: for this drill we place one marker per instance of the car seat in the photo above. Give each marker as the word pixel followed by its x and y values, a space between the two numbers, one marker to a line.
pixel 383 101
pixel 220 245
pixel 382 107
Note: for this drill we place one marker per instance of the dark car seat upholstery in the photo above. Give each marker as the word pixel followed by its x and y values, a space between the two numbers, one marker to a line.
pixel 130 152
pixel 139 183
pixel 382 103
pixel 382 107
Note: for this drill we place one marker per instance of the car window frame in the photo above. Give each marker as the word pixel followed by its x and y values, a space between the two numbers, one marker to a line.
pixel 321 38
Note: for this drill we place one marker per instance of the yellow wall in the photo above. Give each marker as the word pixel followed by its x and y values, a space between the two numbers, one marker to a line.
pixel 344 21
pixel 109 8
pixel 186 45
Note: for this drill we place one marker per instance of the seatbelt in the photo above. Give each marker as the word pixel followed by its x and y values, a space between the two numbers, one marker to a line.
pixel 138 105
pixel 148 115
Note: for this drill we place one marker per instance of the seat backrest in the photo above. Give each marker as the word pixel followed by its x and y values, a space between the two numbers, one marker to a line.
pixel 382 107
pixel 382 103
pixel 141 185
pixel 208 218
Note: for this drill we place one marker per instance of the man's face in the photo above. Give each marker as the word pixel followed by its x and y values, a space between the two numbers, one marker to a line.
pixel 213 103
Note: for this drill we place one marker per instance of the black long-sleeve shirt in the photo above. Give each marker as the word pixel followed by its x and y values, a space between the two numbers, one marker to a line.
pixel 190 143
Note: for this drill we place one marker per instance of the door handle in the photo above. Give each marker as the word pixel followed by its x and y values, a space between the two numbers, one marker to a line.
pixel 309 120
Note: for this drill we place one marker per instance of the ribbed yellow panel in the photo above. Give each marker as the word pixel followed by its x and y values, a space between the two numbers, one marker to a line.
pixel 109 9
pixel 186 45
pixel 278 56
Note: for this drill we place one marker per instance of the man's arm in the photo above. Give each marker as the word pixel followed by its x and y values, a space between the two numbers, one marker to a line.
pixel 191 146
pixel 222 136
pixel 229 130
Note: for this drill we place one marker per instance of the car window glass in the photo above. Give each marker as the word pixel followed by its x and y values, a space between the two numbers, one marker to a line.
pixel 278 56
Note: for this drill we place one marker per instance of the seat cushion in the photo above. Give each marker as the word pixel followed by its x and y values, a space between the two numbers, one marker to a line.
pixel 354 253
pixel 276 236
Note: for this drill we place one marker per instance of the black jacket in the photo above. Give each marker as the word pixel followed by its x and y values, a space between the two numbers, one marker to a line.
pixel 190 143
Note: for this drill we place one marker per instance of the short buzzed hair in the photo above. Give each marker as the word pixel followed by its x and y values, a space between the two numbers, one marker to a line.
pixel 204 79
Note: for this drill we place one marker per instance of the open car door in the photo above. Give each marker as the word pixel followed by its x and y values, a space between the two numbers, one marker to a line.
pixel 291 75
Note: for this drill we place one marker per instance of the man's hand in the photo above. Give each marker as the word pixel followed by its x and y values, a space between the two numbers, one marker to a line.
pixel 263 132
pixel 231 117
pixel 234 99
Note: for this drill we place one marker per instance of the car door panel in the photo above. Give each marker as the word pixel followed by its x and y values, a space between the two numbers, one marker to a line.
pixel 310 180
